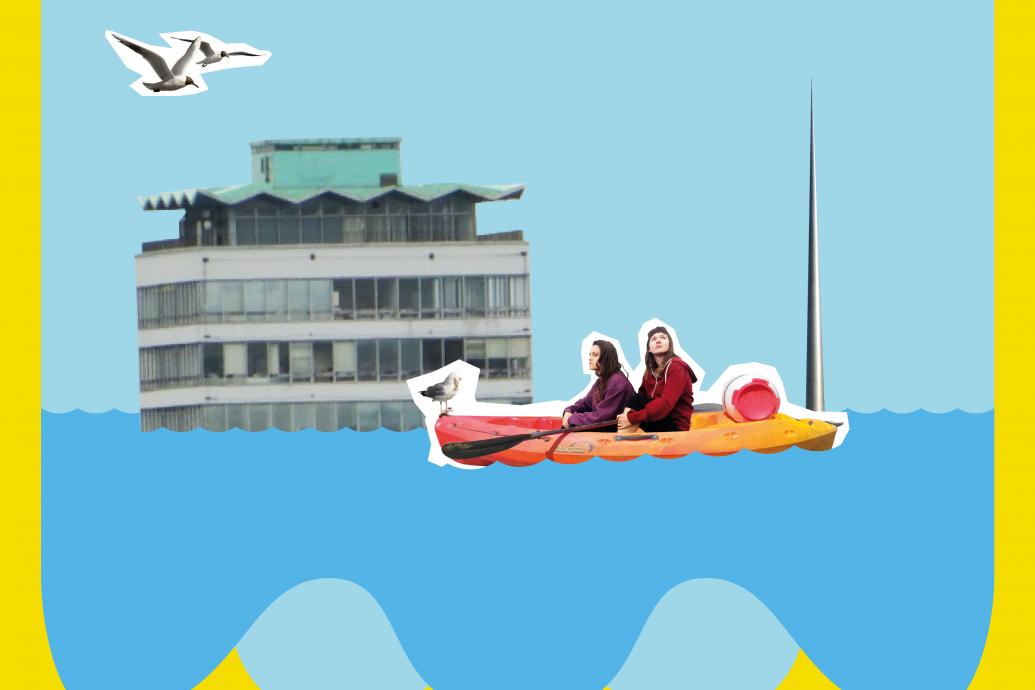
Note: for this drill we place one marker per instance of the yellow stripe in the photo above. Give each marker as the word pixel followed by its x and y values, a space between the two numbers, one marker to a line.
pixel 1006 659
pixel 25 645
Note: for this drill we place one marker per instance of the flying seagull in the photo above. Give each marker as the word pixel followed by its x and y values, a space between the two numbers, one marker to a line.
pixel 169 79
pixel 211 56
pixel 442 392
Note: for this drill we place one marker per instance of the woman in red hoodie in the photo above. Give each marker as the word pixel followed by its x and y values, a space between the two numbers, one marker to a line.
pixel 665 401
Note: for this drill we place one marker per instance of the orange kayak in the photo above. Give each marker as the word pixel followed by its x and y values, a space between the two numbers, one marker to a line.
pixel 711 433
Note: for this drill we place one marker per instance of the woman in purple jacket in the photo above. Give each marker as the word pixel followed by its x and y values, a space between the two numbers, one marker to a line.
pixel 609 394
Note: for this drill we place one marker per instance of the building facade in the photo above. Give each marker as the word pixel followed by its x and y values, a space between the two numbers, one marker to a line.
pixel 307 297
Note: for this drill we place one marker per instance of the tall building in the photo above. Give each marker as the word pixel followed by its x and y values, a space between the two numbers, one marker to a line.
pixel 306 297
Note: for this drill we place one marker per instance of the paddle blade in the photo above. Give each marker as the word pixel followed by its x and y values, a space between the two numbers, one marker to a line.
pixel 465 450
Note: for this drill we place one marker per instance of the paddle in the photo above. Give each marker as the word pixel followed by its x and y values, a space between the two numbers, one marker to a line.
pixel 464 450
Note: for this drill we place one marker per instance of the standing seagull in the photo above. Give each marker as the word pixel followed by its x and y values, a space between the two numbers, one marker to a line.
pixel 171 79
pixel 211 56
pixel 442 392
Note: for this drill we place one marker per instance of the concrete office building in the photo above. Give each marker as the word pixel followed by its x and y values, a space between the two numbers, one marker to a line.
pixel 306 297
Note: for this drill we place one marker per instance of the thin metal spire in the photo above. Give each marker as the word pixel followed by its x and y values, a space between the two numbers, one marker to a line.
pixel 814 348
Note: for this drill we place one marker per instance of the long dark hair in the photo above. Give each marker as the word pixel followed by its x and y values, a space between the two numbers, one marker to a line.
pixel 652 365
pixel 607 365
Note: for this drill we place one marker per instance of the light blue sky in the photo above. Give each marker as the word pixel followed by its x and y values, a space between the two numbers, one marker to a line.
pixel 665 154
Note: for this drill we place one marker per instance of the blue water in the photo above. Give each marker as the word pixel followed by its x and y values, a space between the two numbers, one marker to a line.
pixel 160 550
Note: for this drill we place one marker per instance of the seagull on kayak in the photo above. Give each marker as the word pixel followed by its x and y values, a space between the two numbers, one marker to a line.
pixel 170 78
pixel 443 392
pixel 211 56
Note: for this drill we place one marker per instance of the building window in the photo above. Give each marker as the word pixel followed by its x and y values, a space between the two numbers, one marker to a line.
pixel 344 353
pixel 213 361
pixel 385 359
pixel 388 359
pixel 258 362
pixel 366 357
pixel 366 300
pixel 233 301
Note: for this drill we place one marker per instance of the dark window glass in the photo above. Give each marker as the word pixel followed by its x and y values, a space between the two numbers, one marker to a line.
pixel 366 356
pixel 419 227
pixel 409 298
pixel 284 359
pixel 258 366
pixel 267 230
pixel 323 361
pixel 288 229
pixel 387 298
pixel 431 354
pixel 366 304
pixel 213 356
pixel 332 230
pixel 476 354
pixel 245 231
pixel 409 358
pixel 453 350
pixel 388 359
pixel 311 233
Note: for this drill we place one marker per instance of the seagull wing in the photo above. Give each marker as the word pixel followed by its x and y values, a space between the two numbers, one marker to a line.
pixel 156 61
pixel 434 392
pixel 205 46
pixel 185 59
pixel 241 52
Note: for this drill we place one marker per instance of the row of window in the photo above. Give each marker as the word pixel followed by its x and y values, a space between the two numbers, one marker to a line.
pixel 327 361
pixel 323 299
pixel 332 206
pixel 322 416
pixel 331 221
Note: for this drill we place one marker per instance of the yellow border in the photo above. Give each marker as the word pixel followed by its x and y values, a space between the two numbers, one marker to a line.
pixel 1011 635
pixel 25 636
pixel 1006 662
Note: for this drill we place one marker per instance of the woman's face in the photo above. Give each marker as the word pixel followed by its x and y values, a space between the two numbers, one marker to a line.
pixel 659 344
pixel 594 357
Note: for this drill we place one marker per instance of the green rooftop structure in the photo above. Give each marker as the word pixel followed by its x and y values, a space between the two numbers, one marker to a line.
pixel 326 163
pixel 307 296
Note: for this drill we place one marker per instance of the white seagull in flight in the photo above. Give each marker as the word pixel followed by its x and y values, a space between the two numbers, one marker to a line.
pixel 175 68
pixel 211 56
pixel 170 79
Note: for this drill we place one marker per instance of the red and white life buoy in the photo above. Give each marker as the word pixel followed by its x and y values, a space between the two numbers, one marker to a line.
pixel 750 399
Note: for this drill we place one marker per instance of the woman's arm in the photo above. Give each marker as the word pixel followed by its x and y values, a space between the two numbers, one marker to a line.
pixel 660 407
pixel 584 404
pixel 615 396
